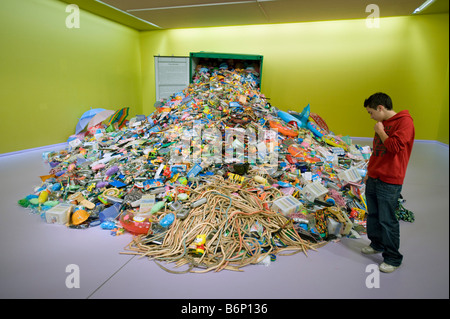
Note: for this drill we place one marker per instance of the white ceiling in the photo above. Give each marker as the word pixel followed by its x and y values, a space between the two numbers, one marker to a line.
pixel 169 14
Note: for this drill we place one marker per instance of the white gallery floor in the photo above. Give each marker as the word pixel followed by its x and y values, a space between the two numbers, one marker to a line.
pixel 34 255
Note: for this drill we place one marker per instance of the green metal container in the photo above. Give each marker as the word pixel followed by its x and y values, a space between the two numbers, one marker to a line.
pixel 215 59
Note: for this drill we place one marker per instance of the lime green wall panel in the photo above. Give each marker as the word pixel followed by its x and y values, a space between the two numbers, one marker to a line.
pixel 333 65
pixel 51 74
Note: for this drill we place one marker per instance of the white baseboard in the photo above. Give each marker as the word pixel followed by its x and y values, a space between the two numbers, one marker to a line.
pixel 431 142
pixel 40 148
pixel 415 141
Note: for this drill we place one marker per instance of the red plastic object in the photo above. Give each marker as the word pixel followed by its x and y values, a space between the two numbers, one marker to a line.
pixel 136 227
pixel 290 159
pixel 301 154
pixel 320 122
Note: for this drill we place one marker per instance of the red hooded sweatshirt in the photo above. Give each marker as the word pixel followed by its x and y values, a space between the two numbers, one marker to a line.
pixel 390 160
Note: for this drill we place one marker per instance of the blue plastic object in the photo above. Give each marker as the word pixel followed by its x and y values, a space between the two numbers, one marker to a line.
pixel 151 183
pixel 314 128
pixel 194 171
pixel 117 184
pixel 108 225
pixel 289 118
pixel 303 117
pixel 362 172
pixel 155 129
pixel 62 172
pixel 110 212
pixel 284 184
pixel 95 223
pixel 167 220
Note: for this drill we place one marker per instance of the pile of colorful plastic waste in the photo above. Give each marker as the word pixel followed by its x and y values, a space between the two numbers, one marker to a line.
pixel 215 178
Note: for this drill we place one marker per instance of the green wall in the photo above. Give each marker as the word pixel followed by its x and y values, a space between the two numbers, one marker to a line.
pixel 332 65
pixel 51 75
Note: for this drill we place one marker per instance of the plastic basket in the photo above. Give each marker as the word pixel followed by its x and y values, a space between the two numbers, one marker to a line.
pixel 286 205
pixel 314 190
pixel 350 175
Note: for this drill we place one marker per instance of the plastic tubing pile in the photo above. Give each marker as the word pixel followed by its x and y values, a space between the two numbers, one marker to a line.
pixel 238 227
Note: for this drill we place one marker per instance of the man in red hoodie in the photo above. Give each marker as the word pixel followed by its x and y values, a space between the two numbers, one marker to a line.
pixel 392 146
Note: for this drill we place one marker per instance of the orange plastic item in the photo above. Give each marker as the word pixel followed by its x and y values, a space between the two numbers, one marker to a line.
pixel 79 216
pixel 45 177
pixel 300 153
pixel 296 150
pixel 164 109
pixel 283 129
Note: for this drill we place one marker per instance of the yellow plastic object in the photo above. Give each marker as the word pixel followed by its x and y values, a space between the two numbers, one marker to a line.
pixel 330 140
pixel 43 196
pixel 198 246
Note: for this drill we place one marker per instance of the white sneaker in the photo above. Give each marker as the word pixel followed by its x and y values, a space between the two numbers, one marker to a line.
pixel 387 268
pixel 368 250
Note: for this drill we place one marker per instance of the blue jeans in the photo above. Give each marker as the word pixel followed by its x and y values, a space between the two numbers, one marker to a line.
pixel 383 228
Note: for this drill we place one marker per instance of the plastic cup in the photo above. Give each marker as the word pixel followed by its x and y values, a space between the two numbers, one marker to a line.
pixel 110 212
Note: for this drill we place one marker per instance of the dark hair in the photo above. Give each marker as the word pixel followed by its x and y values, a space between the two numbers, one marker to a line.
pixel 378 99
